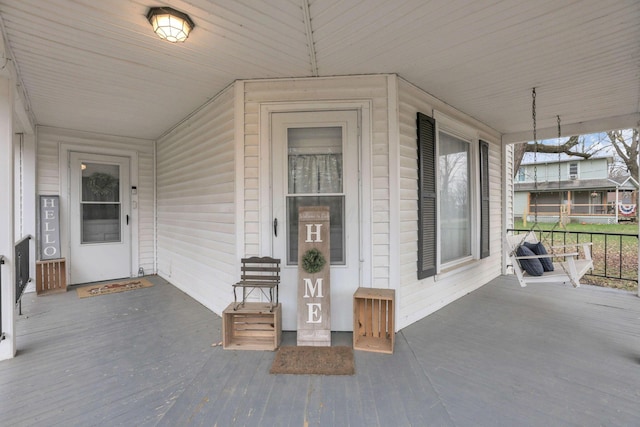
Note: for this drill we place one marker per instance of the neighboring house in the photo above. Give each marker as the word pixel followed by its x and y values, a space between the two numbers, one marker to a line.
pixel 579 189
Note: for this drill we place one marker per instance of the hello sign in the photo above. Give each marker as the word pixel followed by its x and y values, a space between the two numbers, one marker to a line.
pixel 49 227
pixel 314 305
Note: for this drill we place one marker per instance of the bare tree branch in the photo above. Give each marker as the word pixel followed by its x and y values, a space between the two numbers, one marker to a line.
pixel 566 148
pixel 627 149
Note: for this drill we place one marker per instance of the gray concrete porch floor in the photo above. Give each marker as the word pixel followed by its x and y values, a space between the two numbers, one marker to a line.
pixel 545 355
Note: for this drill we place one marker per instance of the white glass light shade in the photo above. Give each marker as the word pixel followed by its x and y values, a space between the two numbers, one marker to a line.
pixel 170 24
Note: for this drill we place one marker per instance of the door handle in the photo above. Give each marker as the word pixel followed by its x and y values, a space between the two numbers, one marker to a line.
pixel 127 219
pixel 275 227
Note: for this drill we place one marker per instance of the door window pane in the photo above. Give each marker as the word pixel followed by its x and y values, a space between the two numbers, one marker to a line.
pixel 100 205
pixel 455 206
pixel 315 167
pixel 336 219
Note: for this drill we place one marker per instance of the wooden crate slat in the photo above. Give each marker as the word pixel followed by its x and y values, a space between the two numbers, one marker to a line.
pixel 51 276
pixel 373 322
pixel 252 327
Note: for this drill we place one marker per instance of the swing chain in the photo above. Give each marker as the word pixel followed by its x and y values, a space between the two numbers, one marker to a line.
pixel 535 155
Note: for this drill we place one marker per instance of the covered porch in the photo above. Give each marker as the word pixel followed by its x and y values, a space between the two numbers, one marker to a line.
pixel 501 355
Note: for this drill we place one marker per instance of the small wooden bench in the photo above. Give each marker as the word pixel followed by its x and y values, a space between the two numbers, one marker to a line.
pixel 261 273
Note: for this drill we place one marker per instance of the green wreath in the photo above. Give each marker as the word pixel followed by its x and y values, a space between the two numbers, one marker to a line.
pixel 313 261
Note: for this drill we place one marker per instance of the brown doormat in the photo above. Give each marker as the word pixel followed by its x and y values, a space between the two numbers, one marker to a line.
pixel 314 361
pixel 112 287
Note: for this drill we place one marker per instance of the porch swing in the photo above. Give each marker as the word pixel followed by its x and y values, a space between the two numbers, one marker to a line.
pixel 530 260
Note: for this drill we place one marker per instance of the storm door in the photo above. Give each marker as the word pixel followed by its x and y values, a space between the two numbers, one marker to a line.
pixel 100 217
pixel 315 163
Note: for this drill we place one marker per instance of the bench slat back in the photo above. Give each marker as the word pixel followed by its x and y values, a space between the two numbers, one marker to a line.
pixel 260 269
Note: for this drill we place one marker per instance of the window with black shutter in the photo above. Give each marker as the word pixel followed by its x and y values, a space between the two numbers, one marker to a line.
pixel 484 199
pixel 427 193
pixel 447 218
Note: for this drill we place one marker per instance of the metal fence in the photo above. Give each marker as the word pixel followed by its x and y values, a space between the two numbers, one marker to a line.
pixel 615 255
pixel 22 266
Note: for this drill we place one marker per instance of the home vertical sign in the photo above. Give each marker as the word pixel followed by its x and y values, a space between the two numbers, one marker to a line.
pixel 49 227
pixel 314 306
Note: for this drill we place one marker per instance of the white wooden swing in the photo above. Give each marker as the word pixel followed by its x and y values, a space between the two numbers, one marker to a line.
pixel 569 268
pixel 568 264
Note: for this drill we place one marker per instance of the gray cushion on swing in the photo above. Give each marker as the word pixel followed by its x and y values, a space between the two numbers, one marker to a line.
pixel 539 249
pixel 532 266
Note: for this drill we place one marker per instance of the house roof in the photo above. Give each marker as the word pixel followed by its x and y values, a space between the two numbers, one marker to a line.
pixel 97 66
pixel 548 158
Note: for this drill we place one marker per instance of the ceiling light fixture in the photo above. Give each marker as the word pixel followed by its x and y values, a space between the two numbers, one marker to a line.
pixel 170 24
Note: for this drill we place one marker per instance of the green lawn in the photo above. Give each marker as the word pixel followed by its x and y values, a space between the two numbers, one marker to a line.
pixel 624 228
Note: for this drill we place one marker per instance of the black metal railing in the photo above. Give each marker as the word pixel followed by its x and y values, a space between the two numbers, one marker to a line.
pixel 615 255
pixel 21 261
pixel 1 332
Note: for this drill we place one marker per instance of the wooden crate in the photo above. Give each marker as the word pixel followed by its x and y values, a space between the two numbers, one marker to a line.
pixel 373 320
pixel 51 276
pixel 252 327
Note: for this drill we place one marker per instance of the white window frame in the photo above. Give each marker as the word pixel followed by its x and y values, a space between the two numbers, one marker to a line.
pixel 470 135
pixel 577 170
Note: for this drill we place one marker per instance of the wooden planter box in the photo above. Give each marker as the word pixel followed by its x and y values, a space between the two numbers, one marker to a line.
pixel 373 320
pixel 252 327
pixel 51 276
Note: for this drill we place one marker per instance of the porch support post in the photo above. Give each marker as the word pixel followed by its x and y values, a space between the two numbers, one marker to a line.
pixel 30 199
pixel 7 225
pixel 617 200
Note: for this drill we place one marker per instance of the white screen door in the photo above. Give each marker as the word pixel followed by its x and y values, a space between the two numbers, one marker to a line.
pixel 99 217
pixel 315 163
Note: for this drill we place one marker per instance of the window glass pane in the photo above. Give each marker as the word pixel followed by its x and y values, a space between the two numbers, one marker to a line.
pixel 336 218
pixel 455 207
pixel 100 182
pixel 315 160
pixel 100 222
pixel 315 167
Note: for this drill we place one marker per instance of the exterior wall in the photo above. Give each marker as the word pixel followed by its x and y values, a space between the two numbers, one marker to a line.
pixel 52 143
pixel 509 204
pixel 196 207
pixel 209 174
pixel 318 90
pixel 418 298
pixel 593 169
pixel 548 172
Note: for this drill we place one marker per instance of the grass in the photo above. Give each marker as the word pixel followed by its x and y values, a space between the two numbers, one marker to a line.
pixel 624 228
pixel 614 249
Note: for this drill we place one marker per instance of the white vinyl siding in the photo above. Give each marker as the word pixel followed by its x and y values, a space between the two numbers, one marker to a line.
pixel 50 141
pixel 418 298
pixel 196 204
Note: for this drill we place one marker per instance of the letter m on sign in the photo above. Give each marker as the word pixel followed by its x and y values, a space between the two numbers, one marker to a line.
pixel 311 288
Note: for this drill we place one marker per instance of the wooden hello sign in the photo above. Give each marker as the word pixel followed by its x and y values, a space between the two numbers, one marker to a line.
pixel 314 305
pixel 49 227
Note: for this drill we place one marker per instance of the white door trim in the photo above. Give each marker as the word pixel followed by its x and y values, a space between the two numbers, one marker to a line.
pixel 64 153
pixel 364 108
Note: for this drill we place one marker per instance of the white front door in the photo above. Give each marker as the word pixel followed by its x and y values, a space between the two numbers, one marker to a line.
pixel 315 163
pixel 100 237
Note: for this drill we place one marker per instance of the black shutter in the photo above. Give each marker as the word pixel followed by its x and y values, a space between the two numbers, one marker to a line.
pixel 427 193
pixel 484 200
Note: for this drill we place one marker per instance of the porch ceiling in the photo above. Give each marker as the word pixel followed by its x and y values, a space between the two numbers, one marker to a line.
pixel 97 66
